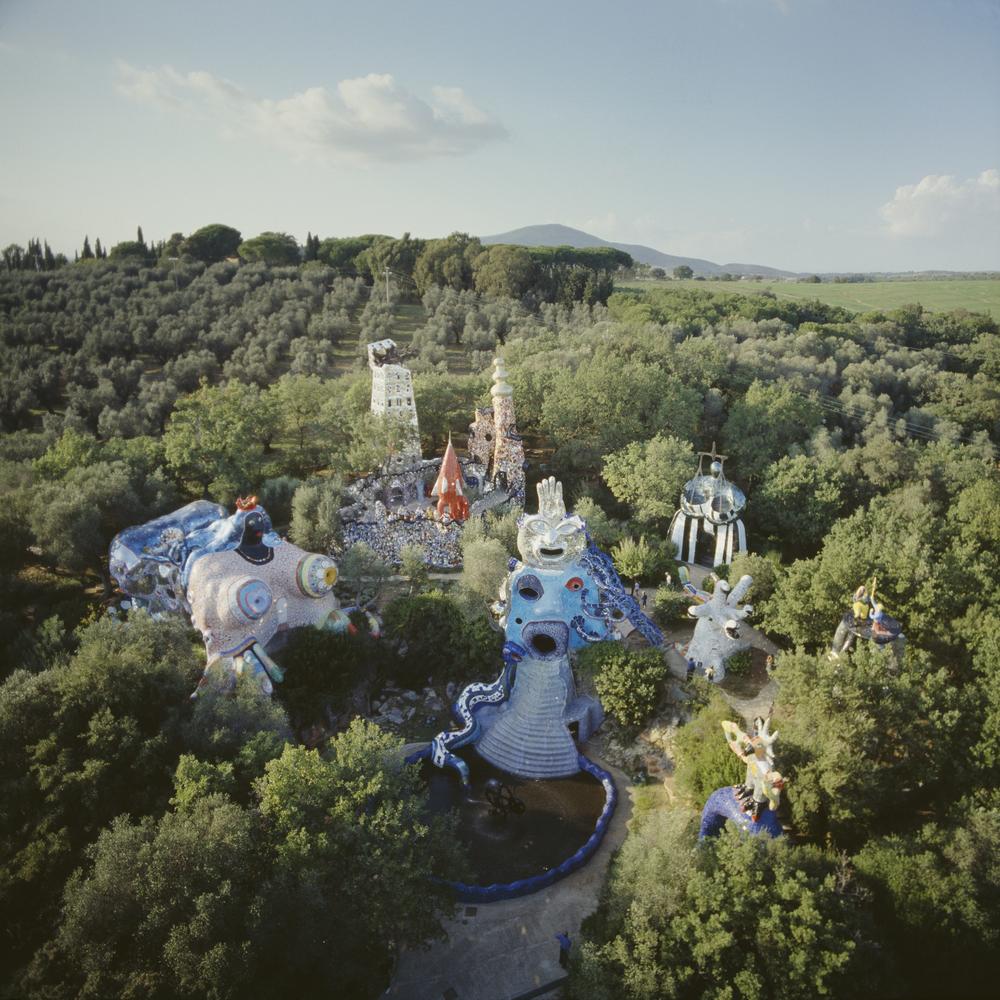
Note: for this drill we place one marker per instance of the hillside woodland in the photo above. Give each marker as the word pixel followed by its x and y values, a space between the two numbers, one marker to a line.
pixel 158 847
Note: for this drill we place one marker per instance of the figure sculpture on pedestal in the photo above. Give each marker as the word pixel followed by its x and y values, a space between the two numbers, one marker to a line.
pixel 752 805
pixel 866 619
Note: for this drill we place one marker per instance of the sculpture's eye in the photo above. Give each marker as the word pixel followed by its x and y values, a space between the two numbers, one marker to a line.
pixel 529 587
pixel 574 583
pixel 538 527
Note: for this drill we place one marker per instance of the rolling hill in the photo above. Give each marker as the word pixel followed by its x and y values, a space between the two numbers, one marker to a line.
pixel 555 235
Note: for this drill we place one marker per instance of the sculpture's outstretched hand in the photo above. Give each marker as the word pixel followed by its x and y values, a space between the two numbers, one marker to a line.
pixel 736 739
pixel 550 498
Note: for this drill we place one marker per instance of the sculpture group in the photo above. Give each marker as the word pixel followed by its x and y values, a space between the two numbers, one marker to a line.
pixel 243 588
pixel 412 500
pixel 752 805
pixel 866 619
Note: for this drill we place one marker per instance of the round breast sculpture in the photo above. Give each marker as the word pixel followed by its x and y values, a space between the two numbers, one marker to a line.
pixel 241 584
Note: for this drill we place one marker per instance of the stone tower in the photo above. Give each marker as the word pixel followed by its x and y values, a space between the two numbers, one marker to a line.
pixel 480 442
pixel 508 450
pixel 392 390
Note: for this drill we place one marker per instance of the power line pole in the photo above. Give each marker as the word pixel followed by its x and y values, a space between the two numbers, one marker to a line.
pixel 387 272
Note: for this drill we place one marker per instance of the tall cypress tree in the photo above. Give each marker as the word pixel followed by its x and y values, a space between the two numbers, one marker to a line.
pixel 87 253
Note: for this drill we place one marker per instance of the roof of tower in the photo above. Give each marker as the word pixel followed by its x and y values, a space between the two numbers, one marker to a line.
pixel 450 477
pixel 500 385
pixel 383 352
pixel 712 496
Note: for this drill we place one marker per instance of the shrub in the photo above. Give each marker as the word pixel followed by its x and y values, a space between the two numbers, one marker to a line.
pixel 626 681
pixel 436 640
pixel 276 496
pixel 738 917
pixel 937 901
pixel 704 761
pixel 862 745
pixel 321 669
pixel 670 606
pixel 763 569
pixel 740 663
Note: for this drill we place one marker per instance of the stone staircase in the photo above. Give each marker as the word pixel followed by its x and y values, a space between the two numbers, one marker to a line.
pixel 530 738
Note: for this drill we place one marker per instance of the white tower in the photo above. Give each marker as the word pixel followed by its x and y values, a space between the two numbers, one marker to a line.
pixel 392 389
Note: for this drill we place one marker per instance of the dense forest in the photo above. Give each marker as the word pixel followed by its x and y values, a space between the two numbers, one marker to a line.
pixel 154 846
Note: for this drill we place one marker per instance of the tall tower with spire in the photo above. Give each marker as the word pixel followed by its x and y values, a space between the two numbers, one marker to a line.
pixel 507 468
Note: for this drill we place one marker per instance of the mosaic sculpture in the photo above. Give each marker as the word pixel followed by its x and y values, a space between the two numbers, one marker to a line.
pixel 395 506
pixel 866 619
pixel 495 442
pixel 562 595
pixel 719 632
pixel 240 584
pixel 752 805
pixel 710 508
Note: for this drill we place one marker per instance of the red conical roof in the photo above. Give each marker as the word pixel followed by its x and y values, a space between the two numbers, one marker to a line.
pixel 449 481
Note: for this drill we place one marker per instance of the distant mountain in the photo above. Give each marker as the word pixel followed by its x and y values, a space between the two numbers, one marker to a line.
pixel 767 272
pixel 554 235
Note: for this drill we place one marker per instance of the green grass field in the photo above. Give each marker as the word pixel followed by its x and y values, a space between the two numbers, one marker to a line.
pixel 974 294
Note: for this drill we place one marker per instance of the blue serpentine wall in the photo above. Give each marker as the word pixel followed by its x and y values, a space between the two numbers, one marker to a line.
pixel 524 887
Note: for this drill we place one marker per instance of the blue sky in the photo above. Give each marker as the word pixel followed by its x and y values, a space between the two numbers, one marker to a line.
pixel 804 134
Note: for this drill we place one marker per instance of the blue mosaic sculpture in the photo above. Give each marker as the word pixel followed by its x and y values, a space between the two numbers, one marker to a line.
pixel 752 805
pixel 563 595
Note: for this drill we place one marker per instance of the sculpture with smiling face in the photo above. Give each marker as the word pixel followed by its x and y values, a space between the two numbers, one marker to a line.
pixel 565 592
pixel 551 539
pixel 562 596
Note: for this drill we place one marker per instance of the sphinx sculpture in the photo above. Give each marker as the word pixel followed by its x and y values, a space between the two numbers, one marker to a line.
pixel 563 594
pixel 752 805
pixel 240 584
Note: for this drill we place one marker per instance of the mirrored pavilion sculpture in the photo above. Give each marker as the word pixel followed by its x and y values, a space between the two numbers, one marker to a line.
pixel 707 527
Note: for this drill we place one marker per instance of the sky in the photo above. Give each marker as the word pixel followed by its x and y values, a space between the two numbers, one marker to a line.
pixel 810 135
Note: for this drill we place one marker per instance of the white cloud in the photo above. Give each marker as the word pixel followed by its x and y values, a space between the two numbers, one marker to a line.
pixel 939 204
pixel 368 118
